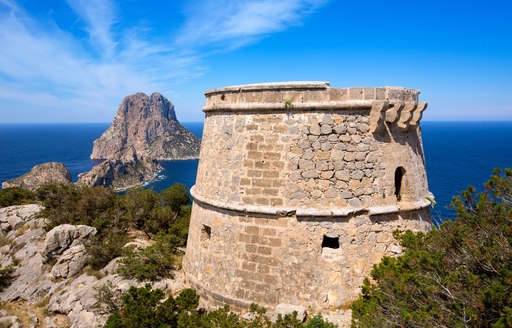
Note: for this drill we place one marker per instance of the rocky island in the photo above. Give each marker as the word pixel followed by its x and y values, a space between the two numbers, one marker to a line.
pixel 144 130
pixel 51 172
pixel 147 126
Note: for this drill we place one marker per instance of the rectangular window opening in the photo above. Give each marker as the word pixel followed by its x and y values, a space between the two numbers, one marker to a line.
pixel 331 241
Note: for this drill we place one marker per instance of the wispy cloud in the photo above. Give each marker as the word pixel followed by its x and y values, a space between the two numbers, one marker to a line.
pixel 234 23
pixel 99 16
pixel 44 66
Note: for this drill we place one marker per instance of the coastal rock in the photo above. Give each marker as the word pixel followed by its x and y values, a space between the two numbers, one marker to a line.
pixel 146 126
pixel 51 172
pixel 121 173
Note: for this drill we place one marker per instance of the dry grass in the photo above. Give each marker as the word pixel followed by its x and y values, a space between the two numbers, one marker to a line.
pixel 88 270
pixel 23 311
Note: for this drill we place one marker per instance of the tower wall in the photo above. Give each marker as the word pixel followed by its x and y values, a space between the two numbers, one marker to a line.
pixel 299 189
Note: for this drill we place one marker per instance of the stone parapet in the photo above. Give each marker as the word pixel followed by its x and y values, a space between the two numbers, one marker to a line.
pixel 303 92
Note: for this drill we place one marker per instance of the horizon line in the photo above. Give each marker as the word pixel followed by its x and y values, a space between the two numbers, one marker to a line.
pixel 427 120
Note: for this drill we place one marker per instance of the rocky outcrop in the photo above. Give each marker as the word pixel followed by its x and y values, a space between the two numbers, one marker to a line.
pixel 148 127
pixel 50 287
pixel 64 236
pixel 51 172
pixel 121 173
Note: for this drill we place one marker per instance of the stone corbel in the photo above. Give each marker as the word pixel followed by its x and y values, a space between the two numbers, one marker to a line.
pixel 406 115
pixel 418 113
pixel 393 112
pixel 378 115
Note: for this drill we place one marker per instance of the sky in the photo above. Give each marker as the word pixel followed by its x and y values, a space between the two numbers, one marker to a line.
pixel 75 60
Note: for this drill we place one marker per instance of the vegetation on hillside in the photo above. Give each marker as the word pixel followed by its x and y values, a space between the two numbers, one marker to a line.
pixel 16 196
pixel 145 307
pixel 163 217
pixel 457 275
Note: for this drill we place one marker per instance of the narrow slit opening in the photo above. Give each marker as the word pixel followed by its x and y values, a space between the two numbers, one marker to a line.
pixel 399 175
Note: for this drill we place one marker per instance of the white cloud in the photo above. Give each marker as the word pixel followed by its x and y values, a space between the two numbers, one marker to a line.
pixel 43 66
pixel 233 23
pixel 99 15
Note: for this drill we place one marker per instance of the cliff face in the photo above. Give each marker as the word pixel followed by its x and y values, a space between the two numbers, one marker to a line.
pixel 146 126
pixel 40 174
pixel 121 173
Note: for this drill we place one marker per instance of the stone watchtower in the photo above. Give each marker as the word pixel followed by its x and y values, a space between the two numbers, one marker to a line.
pixel 299 189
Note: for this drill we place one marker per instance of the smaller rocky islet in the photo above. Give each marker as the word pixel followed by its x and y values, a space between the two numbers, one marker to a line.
pixel 51 172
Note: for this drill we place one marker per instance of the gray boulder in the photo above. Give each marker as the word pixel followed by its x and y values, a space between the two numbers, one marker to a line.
pixel 13 217
pixel 70 262
pixel 64 236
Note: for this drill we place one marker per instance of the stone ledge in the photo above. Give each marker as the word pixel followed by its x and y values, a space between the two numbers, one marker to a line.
pixel 273 86
pixel 310 212
pixel 294 106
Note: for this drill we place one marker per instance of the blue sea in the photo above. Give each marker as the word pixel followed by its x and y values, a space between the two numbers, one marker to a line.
pixel 457 154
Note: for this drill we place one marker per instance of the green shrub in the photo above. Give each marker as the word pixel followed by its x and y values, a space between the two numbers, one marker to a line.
pixel 5 276
pixel 162 216
pixel 150 263
pixel 143 307
pixel 16 196
pixel 103 248
pixel 139 205
pixel 175 197
pixel 458 275
pixel 318 322
pixel 92 206
pixel 152 212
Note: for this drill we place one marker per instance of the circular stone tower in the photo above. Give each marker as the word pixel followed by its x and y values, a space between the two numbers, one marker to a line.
pixel 299 189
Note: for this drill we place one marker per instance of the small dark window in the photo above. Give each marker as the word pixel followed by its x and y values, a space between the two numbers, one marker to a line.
pixel 399 174
pixel 206 233
pixel 331 241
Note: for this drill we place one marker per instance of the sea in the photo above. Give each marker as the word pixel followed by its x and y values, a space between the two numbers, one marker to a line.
pixel 457 154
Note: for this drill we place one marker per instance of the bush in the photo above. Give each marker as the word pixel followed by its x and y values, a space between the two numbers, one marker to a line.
pixel 139 205
pixel 153 212
pixel 175 197
pixel 150 263
pixel 103 248
pixel 92 206
pixel 16 196
pixel 143 307
pixel 458 275
pixel 113 215
pixel 5 276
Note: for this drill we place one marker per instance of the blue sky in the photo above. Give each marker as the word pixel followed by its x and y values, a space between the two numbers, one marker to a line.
pixel 74 60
